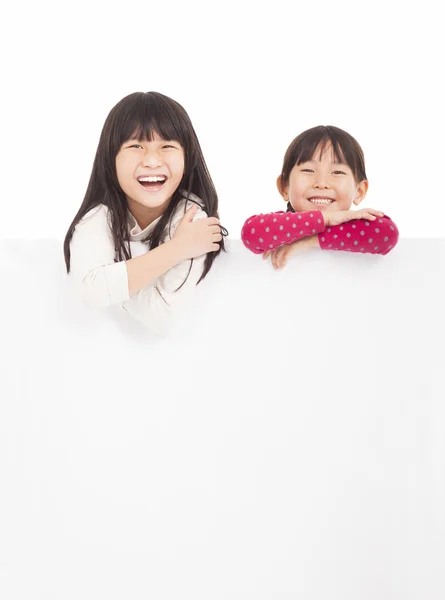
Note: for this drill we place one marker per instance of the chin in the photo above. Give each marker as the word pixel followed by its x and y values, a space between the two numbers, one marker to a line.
pixel 153 202
pixel 322 207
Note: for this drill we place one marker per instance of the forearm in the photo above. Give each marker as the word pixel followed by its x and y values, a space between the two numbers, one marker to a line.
pixel 143 270
pixel 264 232
pixel 312 242
pixel 361 235
pixel 158 306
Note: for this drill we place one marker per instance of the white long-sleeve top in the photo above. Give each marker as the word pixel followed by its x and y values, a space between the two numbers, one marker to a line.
pixel 104 282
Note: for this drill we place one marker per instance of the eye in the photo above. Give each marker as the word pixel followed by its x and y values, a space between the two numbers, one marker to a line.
pixel 339 172
pixel 169 146
pixel 135 146
pixel 308 170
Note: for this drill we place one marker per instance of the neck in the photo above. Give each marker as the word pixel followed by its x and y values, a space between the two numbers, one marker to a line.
pixel 145 215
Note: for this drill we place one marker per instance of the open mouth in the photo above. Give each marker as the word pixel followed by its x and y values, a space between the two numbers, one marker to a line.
pixel 321 201
pixel 152 182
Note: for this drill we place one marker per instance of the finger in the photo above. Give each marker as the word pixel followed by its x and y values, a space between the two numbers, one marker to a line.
pixel 287 253
pixel 275 257
pixel 212 221
pixel 280 260
pixel 372 214
pixel 365 214
pixel 283 260
pixel 192 209
pixel 266 254
pixel 217 237
pixel 190 213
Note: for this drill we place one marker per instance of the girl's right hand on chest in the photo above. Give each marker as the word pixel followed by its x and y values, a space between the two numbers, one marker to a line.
pixel 343 216
pixel 199 237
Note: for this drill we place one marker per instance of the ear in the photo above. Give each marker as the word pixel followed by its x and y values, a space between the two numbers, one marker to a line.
pixel 283 189
pixel 362 188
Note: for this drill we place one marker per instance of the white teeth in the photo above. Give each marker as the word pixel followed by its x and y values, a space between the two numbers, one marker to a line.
pixel 320 201
pixel 152 179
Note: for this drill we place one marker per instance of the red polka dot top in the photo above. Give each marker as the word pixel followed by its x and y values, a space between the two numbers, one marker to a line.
pixel 269 231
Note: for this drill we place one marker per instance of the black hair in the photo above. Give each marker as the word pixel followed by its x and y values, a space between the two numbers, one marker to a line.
pixel 141 116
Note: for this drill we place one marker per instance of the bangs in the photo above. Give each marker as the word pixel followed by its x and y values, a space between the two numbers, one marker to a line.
pixel 317 146
pixel 142 116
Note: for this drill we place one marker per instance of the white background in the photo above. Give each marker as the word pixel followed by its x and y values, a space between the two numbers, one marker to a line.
pixel 251 76
pixel 286 445
pixel 268 454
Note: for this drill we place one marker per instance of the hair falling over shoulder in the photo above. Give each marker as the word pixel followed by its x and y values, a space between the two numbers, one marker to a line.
pixel 143 115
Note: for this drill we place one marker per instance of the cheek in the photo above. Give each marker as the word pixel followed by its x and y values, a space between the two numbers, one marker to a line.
pixel 296 188
pixel 345 190
pixel 124 169
pixel 177 167
pixel 350 189
pixel 119 172
pixel 125 180
pixel 120 166
pixel 346 195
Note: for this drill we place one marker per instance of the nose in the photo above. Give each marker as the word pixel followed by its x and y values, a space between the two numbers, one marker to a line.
pixel 151 159
pixel 321 182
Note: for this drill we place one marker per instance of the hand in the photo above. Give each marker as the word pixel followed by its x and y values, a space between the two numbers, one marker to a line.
pixel 281 255
pixel 343 216
pixel 195 238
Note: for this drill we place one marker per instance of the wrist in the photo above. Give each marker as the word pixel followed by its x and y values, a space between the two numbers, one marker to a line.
pixel 313 242
pixel 176 249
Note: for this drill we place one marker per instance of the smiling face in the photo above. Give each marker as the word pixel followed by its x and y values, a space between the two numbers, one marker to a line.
pixel 149 172
pixel 323 183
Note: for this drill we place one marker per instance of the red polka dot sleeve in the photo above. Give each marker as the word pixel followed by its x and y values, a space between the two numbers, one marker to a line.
pixel 266 232
pixel 269 231
pixel 370 237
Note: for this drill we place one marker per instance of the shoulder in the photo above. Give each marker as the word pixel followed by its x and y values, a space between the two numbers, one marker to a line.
pixel 93 226
pixel 96 216
pixel 184 205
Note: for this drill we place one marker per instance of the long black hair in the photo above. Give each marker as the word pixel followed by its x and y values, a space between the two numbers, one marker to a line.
pixel 303 148
pixel 142 115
